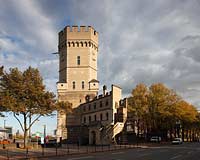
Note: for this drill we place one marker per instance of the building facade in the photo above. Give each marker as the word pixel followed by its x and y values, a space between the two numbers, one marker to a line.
pixel 78 84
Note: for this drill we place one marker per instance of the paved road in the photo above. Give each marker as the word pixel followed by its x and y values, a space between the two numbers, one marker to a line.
pixel 187 151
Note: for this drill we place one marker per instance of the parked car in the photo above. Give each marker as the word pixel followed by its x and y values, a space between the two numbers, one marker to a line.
pixel 177 141
pixel 155 139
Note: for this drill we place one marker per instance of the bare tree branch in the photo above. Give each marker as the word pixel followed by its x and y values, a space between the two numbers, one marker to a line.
pixel 18 121
pixel 34 122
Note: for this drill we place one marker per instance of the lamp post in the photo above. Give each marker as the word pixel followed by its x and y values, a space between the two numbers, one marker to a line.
pixel 44 135
pixel 44 139
pixel 4 128
pixel 178 127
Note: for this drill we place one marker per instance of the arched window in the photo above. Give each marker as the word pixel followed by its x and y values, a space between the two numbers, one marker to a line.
pixel 74 85
pixel 83 85
pixel 77 44
pixel 84 119
pixel 95 117
pixel 73 44
pixel 78 60
pixel 85 44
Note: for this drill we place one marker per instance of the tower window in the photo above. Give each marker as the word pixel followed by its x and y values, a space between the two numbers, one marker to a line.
pixel 94 105
pixel 83 85
pixel 78 60
pixel 89 107
pixel 73 84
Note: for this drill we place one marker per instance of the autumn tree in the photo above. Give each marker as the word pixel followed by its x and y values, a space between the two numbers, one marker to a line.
pixel 25 96
pixel 162 103
pixel 64 106
pixel 159 110
pixel 188 116
pixel 138 106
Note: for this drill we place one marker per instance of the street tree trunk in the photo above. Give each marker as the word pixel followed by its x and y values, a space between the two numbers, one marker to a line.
pixel 25 131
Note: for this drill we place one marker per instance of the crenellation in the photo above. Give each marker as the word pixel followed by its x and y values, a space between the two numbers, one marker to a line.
pixel 83 28
pixel 75 29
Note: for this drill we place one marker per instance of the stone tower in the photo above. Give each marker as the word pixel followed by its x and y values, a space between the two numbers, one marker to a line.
pixel 78 49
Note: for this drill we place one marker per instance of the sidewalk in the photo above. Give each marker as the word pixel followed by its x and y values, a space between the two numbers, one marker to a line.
pixel 14 154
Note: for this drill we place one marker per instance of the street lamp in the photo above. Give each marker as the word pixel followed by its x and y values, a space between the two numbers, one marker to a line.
pixel 44 135
pixel 5 129
pixel 44 139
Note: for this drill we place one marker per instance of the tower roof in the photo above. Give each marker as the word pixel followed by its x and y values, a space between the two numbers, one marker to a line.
pixel 93 80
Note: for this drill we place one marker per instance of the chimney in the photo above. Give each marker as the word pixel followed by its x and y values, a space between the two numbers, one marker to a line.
pixel 104 90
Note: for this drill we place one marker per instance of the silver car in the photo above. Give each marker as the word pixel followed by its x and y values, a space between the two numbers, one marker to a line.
pixel 177 141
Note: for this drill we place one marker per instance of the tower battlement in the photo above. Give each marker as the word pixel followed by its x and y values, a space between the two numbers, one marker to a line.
pixel 78 33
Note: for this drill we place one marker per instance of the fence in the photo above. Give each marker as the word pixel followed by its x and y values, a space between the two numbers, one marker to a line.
pixel 12 153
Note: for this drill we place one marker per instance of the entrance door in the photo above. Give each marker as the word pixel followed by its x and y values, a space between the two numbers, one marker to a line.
pixel 93 134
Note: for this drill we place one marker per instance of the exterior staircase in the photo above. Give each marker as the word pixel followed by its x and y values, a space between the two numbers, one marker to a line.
pixel 109 132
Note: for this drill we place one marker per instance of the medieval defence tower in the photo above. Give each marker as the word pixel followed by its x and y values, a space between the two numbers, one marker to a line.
pixel 78 49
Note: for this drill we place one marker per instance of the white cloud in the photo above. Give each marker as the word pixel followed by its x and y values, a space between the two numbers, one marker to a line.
pixel 140 41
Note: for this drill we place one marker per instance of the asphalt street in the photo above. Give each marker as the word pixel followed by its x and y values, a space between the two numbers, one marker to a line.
pixel 186 151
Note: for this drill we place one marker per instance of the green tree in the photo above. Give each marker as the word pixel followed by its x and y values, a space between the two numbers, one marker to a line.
pixel 25 96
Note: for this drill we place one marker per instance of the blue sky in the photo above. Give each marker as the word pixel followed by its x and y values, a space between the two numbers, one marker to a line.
pixel 139 41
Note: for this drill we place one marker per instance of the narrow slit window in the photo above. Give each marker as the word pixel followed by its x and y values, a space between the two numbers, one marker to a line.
pixel 78 60
pixel 83 85
pixel 73 84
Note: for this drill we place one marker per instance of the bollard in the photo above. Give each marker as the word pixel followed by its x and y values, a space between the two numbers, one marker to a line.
pixel 56 149
pixel 67 149
pixel 87 149
pixel 43 150
pixel 26 152
pixel 7 154
pixel 78 147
